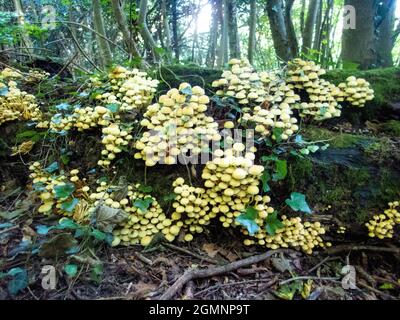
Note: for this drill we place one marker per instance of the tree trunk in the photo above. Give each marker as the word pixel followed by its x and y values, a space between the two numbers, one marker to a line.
pixel 223 48
pixel 234 41
pixel 252 31
pixel 326 33
pixel 384 30
pixel 27 42
pixel 302 16
pixel 166 31
pixel 291 32
pixel 213 35
pixel 309 26
pixel 278 29
pixel 175 39
pixel 123 27
pixel 149 42
pixel 358 44
pixel 318 27
pixel 104 47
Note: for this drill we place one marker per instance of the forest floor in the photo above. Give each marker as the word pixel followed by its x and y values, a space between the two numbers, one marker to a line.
pixel 134 273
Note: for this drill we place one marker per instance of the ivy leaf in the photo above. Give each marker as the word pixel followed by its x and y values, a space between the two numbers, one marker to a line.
pixel 187 91
pixel 19 280
pixel 313 148
pixel 63 106
pixel 247 220
pixel 71 270
pixel 143 204
pixel 97 272
pixel 43 230
pixel 97 234
pixel 281 170
pixel 272 223
pixel 277 133
pixel 66 223
pixel 264 180
pixel 113 107
pixel 64 190
pixel 64 159
pixel 70 205
pixel 298 202
pixel 4 91
pixel 145 189
pixel 52 168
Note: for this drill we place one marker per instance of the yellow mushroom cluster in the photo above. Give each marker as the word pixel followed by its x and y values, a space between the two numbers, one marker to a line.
pixel 45 185
pixel 322 104
pixel 114 140
pixel 83 119
pixel 382 226
pixel 305 236
pixel 16 104
pixel 243 83
pixel 145 216
pixel 191 207
pixel 355 91
pixel 130 89
pixel 8 73
pixel 178 126
pixel 36 76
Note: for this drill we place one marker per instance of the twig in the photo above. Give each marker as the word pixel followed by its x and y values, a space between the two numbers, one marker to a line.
pixel 143 258
pixel 67 64
pixel 198 256
pixel 308 278
pixel 383 294
pixel 9 229
pixel 211 272
pixel 338 249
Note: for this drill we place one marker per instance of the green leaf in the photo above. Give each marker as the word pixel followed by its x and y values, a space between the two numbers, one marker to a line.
pixel 281 170
pixel 71 270
pixel 277 133
pixel 247 220
pixel 19 280
pixel 273 224
pixel 52 168
pixel 298 202
pixel 313 148
pixel 113 107
pixel 187 91
pixel 63 191
pixel 97 272
pixel 264 180
pixel 97 234
pixel 386 286
pixel 64 159
pixel 66 223
pixel 145 189
pixel 70 205
pixel 4 91
pixel 143 204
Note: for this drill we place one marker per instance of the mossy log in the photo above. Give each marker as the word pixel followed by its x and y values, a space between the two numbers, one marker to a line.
pixel 385 82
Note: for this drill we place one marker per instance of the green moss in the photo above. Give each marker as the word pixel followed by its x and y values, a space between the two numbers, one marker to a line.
pixel 392 127
pixel 335 139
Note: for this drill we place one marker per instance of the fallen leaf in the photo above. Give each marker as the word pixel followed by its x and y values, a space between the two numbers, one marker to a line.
pixel 211 249
pixel 106 218
pixel 23 148
pixel 57 246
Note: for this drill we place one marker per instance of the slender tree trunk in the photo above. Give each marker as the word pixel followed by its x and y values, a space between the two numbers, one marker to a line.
pixel 195 42
pixel 384 30
pixel 291 32
pixel 123 27
pixel 358 45
pixel 210 61
pixel 302 16
pixel 175 38
pixel 104 47
pixel 326 33
pixel 223 48
pixel 234 41
pixel 278 29
pixel 252 31
pixel 165 23
pixel 318 26
pixel 310 26
pixel 27 42
pixel 145 32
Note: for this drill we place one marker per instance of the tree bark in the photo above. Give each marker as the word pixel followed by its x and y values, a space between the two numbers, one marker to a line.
pixel 291 32
pixel 318 27
pixel 149 42
pixel 213 35
pixel 175 39
pixel 223 48
pixel 21 21
pixel 252 31
pixel 278 29
pixel 165 23
pixel 358 44
pixel 310 26
pixel 234 41
pixel 384 30
pixel 104 47
pixel 123 27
